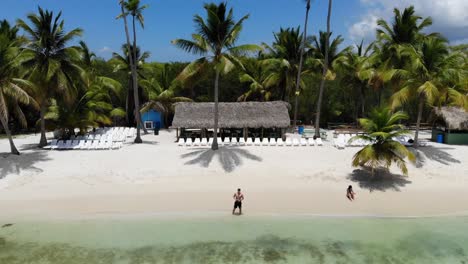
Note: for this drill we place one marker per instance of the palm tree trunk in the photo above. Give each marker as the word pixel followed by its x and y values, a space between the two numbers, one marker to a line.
pixel 299 72
pixel 324 73
pixel 137 98
pixel 363 102
pixel 418 121
pixel 214 146
pixel 13 148
pixel 134 77
pixel 43 140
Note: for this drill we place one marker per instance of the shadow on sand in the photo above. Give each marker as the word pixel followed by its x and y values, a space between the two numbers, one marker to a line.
pixel 13 164
pixel 382 180
pixel 433 153
pixel 229 157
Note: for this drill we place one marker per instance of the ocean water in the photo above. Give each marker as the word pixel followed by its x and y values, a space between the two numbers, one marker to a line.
pixel 237 240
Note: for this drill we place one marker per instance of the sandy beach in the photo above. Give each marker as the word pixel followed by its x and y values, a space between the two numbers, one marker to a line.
pixel 161 178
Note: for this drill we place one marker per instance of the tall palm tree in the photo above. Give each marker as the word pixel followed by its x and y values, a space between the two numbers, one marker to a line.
pixel 11 86
pixel 430 77
pixel 324 72
pixel 301 58
pixel 217 36
pixel 51 62
pixel 122 64
pixel 133 64
pixel 382 127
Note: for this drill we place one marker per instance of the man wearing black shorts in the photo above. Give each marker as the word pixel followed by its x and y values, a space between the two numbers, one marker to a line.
pixel 238 198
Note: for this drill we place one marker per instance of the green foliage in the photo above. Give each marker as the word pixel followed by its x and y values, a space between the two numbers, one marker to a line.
pixel 382 127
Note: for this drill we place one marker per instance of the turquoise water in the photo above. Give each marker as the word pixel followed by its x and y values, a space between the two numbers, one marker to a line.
pixel 237 240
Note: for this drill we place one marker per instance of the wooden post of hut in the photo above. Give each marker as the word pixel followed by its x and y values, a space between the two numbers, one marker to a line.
pixel 246 133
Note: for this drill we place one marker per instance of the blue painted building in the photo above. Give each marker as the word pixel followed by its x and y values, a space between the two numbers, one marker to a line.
pixel 152 119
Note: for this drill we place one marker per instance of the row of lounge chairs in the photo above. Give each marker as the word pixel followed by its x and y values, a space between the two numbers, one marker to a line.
pixel 251 142
pixel 83 145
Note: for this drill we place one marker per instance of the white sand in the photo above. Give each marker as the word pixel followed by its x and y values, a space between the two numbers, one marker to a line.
pixel 156 178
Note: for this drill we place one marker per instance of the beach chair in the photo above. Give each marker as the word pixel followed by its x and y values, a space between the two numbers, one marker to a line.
pixel 196 142
pixel 265 142
pixel 241 141
pixel 249 141
pixel 69 144
pixel 210 141
pixel 257 142
pixel 116 145
pixel 188 143
pixel 52 145
pixel 280 142
pixel 95 145
pixel 319 142
pixel 181 142
pixel 272 141
pixel 288 142
pixel 311 142
pixel 295 142
pixel 303 142
pixel 234 141
pixel 60 145
pixel 81 144
pixel 204 142
pixel 74 144
pixel 226 141
pixel 347 137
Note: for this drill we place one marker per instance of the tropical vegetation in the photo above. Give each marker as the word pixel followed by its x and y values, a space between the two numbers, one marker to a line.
pixel 50 82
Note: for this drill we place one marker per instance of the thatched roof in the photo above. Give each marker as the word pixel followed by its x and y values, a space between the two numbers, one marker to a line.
pixel 232 115
pixel 455 118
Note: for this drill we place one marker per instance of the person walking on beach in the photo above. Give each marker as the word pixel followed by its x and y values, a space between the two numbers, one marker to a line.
pixel 238 198
pixel 350 193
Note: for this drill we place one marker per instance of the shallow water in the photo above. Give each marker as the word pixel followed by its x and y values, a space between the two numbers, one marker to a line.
pixel 237 240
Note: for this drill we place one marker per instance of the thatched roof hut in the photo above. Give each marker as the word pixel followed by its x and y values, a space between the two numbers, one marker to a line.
pixel 232 115
pixel 455 118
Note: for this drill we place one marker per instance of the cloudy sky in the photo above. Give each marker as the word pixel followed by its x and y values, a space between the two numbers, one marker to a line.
pixel 170 19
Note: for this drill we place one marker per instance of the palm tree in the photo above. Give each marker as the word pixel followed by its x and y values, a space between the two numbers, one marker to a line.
pixel 51 62
pixel 132 6
pixel 161 92
pixel 430 77
pixel 122 64
pixel 356 71
pixel 382 127
pixel 258 75
pixel 324 73
pixel 216 36
pixel 11 86
pixel 301 58
pixel 282 60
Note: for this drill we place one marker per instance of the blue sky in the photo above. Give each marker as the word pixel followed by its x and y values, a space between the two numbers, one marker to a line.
pixel 170 19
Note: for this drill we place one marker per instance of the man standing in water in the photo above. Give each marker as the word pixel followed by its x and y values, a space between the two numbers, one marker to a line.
pixel 238 198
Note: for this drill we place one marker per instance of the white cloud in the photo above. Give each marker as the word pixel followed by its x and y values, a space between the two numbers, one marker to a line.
pixel 105 49
pixel 450 16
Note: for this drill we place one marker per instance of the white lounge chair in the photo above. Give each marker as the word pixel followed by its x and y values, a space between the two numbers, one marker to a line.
pixel 210 141
pixel 272 141
pixel 265 142
pixel 311 142
pixel 249 142
pixel 303 142
pixel 257 142
pixel 81 144
pixel 234 141
pixel 204 142
pixel 347 138
pixel 280 142
pixel 52 145
pixel 196 142
pixel 95 145
pixel 181 142
pixel 226 141
pixel 295 142
pixel 188 143
pixel 288 142
pixel 241 141
pixel 319 142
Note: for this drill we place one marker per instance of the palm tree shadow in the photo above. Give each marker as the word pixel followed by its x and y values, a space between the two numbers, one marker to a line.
pixel 382 180
pixel 229 157
pixel 13 164
pixel 433 153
